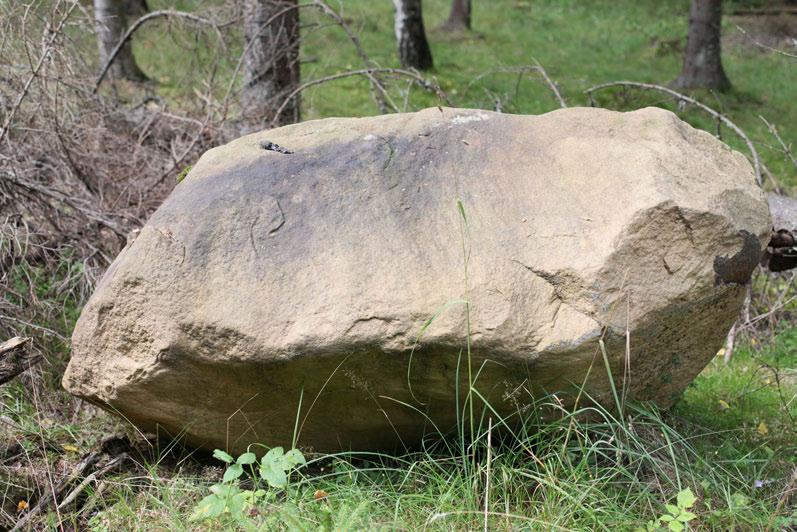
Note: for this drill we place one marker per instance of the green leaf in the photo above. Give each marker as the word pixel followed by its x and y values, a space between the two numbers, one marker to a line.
pixel 274 475
pixel 246 459
pixel 739 500
pixel 272 456
pixel 686 498
pixel 234 471
pixel 685 516
pixel 666 518
pixel 184 173
pixel 461 209
pixel 674 510
pixel 224 491
pixel 208 508
pixel 236 505
pixel 295 457
pixel 675 526
pixel 221 455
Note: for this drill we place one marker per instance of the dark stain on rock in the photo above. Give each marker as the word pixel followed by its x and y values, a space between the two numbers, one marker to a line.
pixel 738 268
pixel 270 146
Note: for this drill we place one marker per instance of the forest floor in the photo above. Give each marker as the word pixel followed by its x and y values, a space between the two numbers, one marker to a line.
pixel 725 457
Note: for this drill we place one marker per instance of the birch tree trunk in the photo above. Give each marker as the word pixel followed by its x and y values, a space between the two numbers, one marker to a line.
pixel 271 64
pixel 413 48
pixel 110 17
pixel 459 17
pixel 702 60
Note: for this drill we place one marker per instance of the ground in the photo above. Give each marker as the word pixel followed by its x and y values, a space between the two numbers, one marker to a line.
pixel 731 439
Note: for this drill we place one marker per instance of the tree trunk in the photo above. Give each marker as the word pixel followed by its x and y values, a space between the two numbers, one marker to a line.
pixel 110 18
pixel 459 17
pixel 271 65
pixel 413 48
pixel 702 60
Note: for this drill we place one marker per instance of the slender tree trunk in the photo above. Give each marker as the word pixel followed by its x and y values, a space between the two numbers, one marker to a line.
pixel 271 66
pixel 110 18
pixel 702 60
pixel 413 48
pixel 459 17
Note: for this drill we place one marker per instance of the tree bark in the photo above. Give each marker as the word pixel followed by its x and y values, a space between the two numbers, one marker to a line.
pixel 110 18
pixel 413 48
pixel 702 66
pixel 271 64
pixel 459 17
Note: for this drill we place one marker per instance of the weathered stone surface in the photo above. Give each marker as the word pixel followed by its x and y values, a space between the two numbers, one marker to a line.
pixel 266 274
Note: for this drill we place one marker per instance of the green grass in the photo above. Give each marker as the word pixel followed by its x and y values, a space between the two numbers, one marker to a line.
pixel 569 473
pixel 580 44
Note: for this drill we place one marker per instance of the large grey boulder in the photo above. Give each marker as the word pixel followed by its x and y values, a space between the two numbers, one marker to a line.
pixel 268 276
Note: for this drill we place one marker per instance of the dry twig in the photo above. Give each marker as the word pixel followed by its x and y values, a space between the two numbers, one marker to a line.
pixel 424 83
pixel 15 357
pixel 764 46
pixel 137 24
pixel 48 47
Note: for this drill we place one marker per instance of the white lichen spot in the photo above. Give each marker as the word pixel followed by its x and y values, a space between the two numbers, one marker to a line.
pixel 369 137
pixel 464 119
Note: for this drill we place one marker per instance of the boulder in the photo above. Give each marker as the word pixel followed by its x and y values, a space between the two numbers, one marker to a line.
pixel 308 283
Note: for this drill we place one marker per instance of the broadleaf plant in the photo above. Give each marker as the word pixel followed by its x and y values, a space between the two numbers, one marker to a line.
pixel 227 497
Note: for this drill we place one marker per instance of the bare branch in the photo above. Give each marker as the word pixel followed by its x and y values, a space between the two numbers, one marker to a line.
pixel 522 70
pixel 538 68
pixel 764 46
pixel 426 84
pixel 377 90
pixel 35 71
pixel 137 24
pixel 786 150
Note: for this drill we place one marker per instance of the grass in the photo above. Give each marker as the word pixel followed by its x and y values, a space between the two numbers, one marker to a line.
pixel 731 438
pixel 581 44
pixel 568 473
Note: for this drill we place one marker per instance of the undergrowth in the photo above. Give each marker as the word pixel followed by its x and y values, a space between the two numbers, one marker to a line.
pixel 561 474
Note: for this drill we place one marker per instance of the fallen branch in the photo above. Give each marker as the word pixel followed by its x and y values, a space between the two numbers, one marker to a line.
pixel 765 11
pixel 72 495
pixel 16 357
pixel 684 98
pixel 47 499
pixel 59 196
pixel 764 46
pixel 137 24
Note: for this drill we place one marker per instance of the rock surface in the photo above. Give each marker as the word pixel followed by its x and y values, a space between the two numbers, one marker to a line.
pixel 269 276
